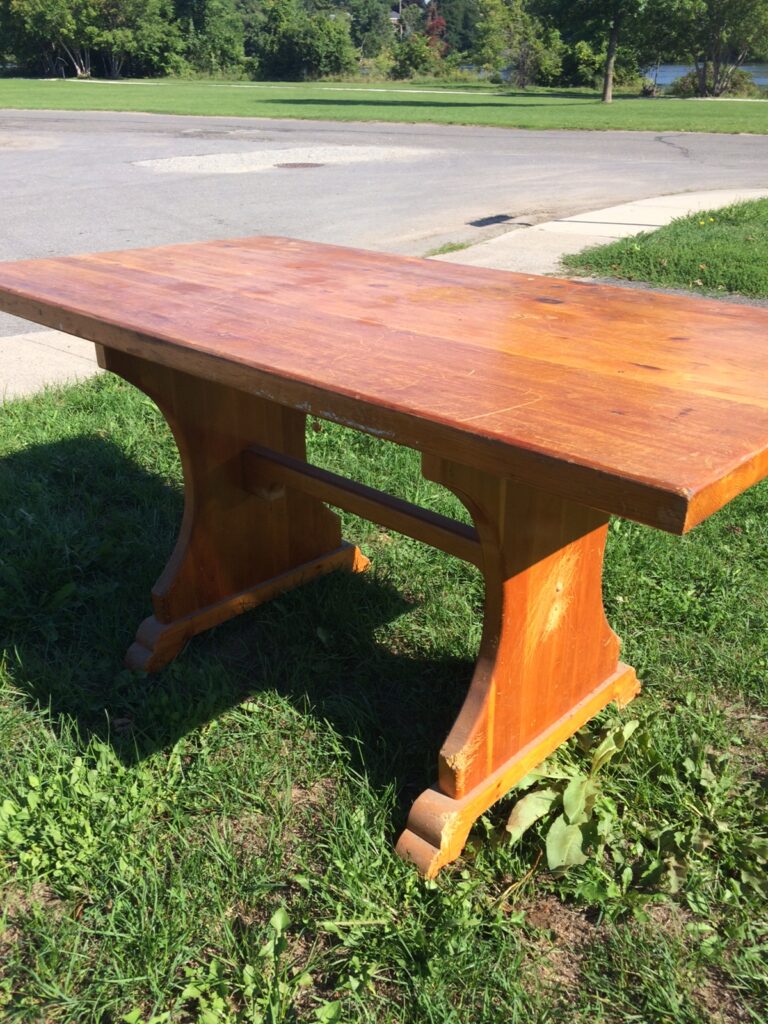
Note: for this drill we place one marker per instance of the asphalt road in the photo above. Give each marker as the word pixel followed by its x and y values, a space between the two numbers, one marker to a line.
pixel 75 182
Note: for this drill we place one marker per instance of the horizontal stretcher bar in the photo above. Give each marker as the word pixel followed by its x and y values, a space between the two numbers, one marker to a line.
pixel 379 507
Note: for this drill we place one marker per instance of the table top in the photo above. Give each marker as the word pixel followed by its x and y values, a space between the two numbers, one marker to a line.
pixel 650 406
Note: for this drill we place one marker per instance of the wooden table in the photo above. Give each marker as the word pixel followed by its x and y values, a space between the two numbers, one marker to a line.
pixel 545 405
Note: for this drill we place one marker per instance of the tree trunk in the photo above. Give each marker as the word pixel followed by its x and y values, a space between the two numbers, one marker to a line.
pixel 115 63
pixel 610 60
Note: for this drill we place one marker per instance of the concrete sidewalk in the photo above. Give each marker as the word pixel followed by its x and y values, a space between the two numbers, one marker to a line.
pixel 539 249
pixel 35 358
pixel 31 360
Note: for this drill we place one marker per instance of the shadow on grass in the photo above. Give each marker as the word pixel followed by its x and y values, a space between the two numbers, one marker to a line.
pixel 85 532
pixel 419 104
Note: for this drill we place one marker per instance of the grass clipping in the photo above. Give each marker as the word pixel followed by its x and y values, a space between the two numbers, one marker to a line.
pixel 716 251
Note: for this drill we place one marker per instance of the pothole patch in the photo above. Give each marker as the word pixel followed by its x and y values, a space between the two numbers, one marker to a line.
pixel 266 159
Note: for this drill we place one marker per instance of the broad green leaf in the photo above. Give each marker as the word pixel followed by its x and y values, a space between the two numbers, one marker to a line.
pixel 612 744
pixel 564 845
pixel 329 1013
pixel 579 799
pixel 280 920
pixel 528 810
pixel 756 882
pixel 545 770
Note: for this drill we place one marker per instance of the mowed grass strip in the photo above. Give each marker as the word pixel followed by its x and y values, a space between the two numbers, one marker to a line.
pixel 717 251
pixel 435 102
pixel 214 843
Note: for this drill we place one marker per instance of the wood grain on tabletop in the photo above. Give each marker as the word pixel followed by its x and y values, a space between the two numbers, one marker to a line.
pixel 650 406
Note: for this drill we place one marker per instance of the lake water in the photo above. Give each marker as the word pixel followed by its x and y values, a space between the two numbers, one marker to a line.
pixel 669 72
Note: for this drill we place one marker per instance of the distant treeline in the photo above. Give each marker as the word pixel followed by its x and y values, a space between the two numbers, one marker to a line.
pixel 547 42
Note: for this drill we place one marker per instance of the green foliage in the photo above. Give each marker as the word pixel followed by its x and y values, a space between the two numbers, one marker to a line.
pixel 378 67
pixel 141 33
pixel 294 44
pixel 65 25
pixel 264 992
pixel 214 38
pixel 370 26
pixel 549 42
pixel 587 817
pixel 507 35
pixel 583 63
pixel 461 19
pixel 587 26
pixel 707 835
pixel 716 36
pixel 414 56
pixel 59 825
pixel 740 83
pixel 723 251
pixel 326 46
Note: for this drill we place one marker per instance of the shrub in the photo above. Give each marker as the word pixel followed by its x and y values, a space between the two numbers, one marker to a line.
pixel 584 65
pixel 414 56
pixel 378 67
pixel 293 44
pixel 741 84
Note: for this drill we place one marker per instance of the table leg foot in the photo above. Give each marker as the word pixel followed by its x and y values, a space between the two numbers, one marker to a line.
pixel 158 643
pixel 438 825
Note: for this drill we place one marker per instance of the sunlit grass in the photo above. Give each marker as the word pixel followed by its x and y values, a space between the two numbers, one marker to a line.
pixel 215 842
pixel 717 251
pixel 440 103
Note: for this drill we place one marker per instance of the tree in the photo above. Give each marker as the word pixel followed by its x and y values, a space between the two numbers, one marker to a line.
pixel 461 18
pixel 414 56
pixel 434 29
pixel 64 25
pixel 507 33
pixel 716 35
pixel 138 30
pixel 326 45
pixel 294 44
pixel 411 19
pixel 370 27
pixel 214 34
pixel 495 36
pixel 590 20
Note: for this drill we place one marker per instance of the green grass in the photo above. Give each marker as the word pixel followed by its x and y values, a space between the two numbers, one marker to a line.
pixel 441 103
pixel 717 251
pixel 443 250
pixel 214 843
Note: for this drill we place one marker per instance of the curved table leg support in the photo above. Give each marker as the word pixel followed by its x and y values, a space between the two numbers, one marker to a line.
pixel 548 659
pixel 235 549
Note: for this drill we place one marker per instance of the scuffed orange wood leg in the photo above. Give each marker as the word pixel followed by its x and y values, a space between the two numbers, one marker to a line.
pixel 235 549
pixel 548 659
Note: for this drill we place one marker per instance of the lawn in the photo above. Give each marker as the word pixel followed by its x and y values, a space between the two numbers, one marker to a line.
pixel 215 843
pixel 722 251
pixel 440 103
